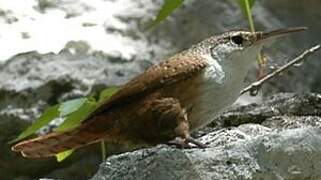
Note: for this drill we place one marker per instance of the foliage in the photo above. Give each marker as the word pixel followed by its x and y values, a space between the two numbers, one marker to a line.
pixel 168 7
pixel 107 93
pixel 63 155
pixel 246 6
pixel 49 114
pixel 82 110
pixel 73 111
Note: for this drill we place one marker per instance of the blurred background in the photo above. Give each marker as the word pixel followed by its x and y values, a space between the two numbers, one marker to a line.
pixel 55 50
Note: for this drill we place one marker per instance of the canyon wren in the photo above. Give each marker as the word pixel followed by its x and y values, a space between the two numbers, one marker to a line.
pixel 168 101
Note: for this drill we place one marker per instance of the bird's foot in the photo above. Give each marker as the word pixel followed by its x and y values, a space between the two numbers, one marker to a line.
pixel 184 143
pixel 179 142
pixel 199 144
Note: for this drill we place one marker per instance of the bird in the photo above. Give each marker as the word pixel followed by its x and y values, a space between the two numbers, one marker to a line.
pixel 168 101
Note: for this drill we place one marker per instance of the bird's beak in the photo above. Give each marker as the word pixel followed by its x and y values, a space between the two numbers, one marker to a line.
pixel 263 36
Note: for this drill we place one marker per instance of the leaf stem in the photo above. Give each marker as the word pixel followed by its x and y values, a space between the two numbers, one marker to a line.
pixel 252 28
pixel 249 15
pixel 103 150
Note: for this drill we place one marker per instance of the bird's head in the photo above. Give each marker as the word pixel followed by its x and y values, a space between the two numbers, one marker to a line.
pixel 241 46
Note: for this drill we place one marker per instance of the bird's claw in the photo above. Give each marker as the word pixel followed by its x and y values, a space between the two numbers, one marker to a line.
pixel 185 143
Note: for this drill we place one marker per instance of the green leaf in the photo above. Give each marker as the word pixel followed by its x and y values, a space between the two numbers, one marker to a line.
pixel 168 7
pixel 107 93
pixel 50 114
pixel 71 106
pixel 246 6
pixel 243 5
pixel 63 155
pixel 75 118
pixel 75 111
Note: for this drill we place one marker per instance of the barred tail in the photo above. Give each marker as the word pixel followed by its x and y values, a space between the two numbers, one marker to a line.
pixel 53 143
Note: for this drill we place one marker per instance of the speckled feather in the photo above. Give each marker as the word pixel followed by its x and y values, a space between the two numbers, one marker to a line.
pixel 176 68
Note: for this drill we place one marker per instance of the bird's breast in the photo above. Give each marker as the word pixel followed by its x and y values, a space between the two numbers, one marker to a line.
pixel 207 94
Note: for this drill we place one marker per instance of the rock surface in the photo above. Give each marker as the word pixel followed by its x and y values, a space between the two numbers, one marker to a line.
pixel 102 43
pixel 285 145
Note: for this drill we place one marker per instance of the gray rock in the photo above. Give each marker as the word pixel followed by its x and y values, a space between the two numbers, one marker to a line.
pixel 286 145
pixel 282 104
pixel 7 17
pixel 290 154
pixel 72 8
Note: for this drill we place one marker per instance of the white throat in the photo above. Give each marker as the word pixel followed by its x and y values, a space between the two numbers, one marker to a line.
pixel 222 81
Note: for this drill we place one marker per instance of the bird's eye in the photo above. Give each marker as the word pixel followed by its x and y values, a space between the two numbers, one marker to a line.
pixel 238 40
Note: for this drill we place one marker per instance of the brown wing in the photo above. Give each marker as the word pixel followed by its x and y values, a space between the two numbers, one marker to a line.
pixel 177 68
pixel 173 70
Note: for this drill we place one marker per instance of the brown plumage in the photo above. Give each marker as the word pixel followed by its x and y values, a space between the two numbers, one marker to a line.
pixel 143 112
pixel 168 100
